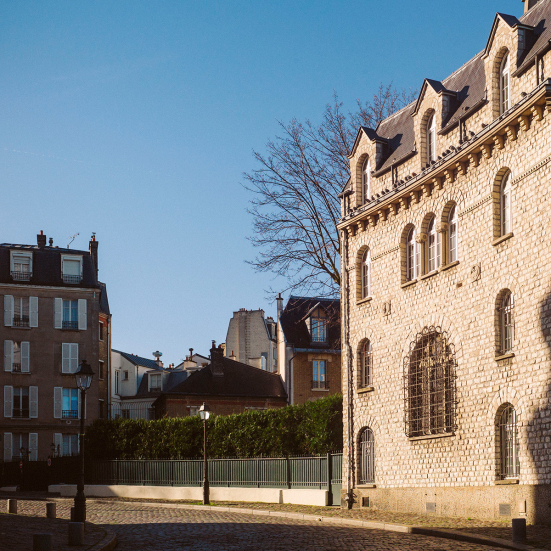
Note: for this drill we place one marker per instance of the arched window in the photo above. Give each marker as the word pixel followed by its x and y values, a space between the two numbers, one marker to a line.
pixel 504 75
pixel 413 256
pixel 509 464
pixel 366 274
pixel 507 323
pixel 366 181
pixel 505 198
pixel 431 139
pixel 367 457
pixel 433 246
pixel 452 235
pixel 366 365
pixel 429 384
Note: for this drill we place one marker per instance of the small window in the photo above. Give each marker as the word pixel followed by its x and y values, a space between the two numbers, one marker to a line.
pixel 71 269
pixel 101 369
pixel 508 444
pixel 431 140
pixel 367 457
pixel 413 256
pixel 366 181
pixel 318 326
pixel 433 246
pixel 155 382
pixel 366 365
pixel 507 323
pixel 319 380
pixel 452 235
pixel 101 326
pixel 366 274
pixel 505 196
pixel 504 77
pixel 125 376
pixel 193 411
pixel 21 266
pixel 21 402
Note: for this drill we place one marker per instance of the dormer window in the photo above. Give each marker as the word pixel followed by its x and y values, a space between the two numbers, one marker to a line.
pixel 431 140
pixel 71 269
pixel 366 181
pixel 318 326
pixel 154 382
pixel 504 77
pixel 21 265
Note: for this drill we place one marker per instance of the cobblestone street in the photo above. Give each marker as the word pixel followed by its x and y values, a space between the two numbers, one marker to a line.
pixel 141 527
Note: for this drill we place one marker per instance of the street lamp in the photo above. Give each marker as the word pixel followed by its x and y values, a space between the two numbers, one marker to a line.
pixel 204 413
pixel 83 378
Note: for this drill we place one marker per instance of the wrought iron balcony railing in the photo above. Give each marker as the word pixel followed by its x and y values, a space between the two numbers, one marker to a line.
pixel 323 385
pixel 69 324
pixel 16 367
pixel 72 279
pixel 69 414
pixel 21 275
pixel 20 413
pixel 20 321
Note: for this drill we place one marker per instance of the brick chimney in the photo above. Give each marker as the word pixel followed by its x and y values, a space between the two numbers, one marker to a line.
pixel 94 251
pixel 41 239
pixel 217 360
pixel 529 4
pixel 279 301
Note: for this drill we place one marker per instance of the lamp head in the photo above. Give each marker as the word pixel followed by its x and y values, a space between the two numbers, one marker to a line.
pixel 204 412
pixel 83 376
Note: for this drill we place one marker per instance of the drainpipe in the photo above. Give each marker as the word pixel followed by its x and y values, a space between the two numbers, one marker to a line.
pixel 290 378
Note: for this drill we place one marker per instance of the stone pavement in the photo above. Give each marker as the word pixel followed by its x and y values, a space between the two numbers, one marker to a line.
pixel 141 527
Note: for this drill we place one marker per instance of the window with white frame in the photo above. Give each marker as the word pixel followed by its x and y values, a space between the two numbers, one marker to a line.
pixel 367 457
pixel 70 403
pixel 21 402
pixel 431 139
pixel 70 445
pixel 193 410
pixel 504 82
pixel 71 269
pixel 366 181
pixel 413 256
pixel 319 380
pixel 366 274
pixel 505 196
pixel 69 359
pixel 452 235
pixel 21 265
pixel 433 246
pixel 20 311
pixel 366 365
pixel 71 314
pixel 17 356
pixel 318 326
pixel 154 381
pixel 507 323
pixel 509 464
pixel 23 447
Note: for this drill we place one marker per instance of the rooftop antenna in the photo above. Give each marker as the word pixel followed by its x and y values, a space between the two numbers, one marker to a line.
pixel 73 237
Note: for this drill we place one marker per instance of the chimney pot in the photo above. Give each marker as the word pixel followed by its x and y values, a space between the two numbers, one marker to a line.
pixel 51 241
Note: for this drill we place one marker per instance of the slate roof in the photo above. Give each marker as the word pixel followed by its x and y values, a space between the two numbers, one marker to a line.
pixel 138 360
pixel 238 379
pixel 294 325
pixel 103 300
pixel 47 266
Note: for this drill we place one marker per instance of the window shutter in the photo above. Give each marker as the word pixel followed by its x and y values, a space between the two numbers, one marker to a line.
pixel 58 442
pixel 65 358
pixel 8 401
pixel 33 402
pixel 25 357
pixel 58 310
pixel 58 402
pixel 74 358
pixel 33 311
pixel 33 446
pixel 8 310
pixel 7 446
pixel 82 314
pixel 8 355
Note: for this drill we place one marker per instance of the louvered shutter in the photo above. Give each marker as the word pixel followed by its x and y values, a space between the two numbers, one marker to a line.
pixel 33 402
pixel 58 312
pixel 8 310
pixel 65 358
pixel 8 355
pixel 8 401
pixel 7 446
pixel 58 401
pixel 33 311
pixel 74 358
pixel 25 357
pixel 58 442
pixel 82 314
pixel 78 394
pixel 33 446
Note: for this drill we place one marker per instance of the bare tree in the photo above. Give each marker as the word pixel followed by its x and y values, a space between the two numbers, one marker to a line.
pixel 295 207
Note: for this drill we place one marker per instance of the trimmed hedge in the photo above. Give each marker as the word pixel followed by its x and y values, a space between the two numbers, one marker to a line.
pixel 312 428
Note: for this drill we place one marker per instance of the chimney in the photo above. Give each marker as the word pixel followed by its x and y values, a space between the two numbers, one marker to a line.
pixel 191 354
pixel 232 357
pixel 51 242
pixel 279 301
pixel 41 239
pixel 529 4
pixel 94 251
pixel 157 355
pixel 217 360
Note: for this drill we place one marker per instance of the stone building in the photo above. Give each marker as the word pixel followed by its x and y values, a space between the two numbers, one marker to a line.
pixel 309 355
pixel 52 304
pixel 447 290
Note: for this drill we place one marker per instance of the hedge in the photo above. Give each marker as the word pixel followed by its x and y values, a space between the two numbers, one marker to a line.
pixel 312 428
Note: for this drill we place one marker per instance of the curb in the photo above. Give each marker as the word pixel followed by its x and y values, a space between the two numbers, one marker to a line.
pixel 107 543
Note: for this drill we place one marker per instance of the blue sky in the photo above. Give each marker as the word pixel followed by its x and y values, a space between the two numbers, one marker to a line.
pixel 137 119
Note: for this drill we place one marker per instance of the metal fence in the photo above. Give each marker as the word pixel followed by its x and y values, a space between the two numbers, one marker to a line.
pixel 131 411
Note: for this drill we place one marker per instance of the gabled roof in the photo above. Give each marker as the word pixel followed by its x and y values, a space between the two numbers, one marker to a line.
pixel 436 85
pixel 369 133
pixel 510 20
pixel 138 360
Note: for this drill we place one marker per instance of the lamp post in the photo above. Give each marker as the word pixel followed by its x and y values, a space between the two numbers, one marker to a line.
pixel 204 413
pixel 83 378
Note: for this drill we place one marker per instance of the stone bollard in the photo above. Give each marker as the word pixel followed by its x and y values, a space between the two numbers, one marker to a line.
pixel 519 529
pixel 76 533
pixel 42 542
pixel 51 510
pixel 72 514
pixel 12 506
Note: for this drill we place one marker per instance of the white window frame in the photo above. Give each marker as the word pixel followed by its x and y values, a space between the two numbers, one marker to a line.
pixel 452 235
pixel 504 84
pixel 413 256
pixel 69 357
pixel 319 374
pixel 433 247
pixel 431 139
pixel 150 378
pixel 507 323
pixel 24 255
pixel 71 258
pixel 366 181
pixel 505 201
pixel 366 365
pixel 366 274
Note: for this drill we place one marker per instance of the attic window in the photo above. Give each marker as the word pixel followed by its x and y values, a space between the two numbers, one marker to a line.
pixel 366 181
pixel 155 382
pixel 71 268
pixel 504 76
pixel 318 326
pixel 431 140
pixel 21 265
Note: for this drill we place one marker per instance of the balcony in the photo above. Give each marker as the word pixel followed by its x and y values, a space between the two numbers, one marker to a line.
pixel 320 385
pixel 69 414
pixel 21 275
pixel 71 279
pixel 20 414
pixel 20 321
pixel 69 324
pixel 16 368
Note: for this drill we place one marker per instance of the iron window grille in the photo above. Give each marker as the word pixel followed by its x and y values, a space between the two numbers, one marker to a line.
pixel 507 324
pixel 430 384
pixel 72 279
pixel 320 384
pixel 21 275
pixel 509 444
pixel 366 365
pixel 69 414
pixel 367 457
pixel 16 367
pixel 21 413
pixel 20 321
pixel 69 324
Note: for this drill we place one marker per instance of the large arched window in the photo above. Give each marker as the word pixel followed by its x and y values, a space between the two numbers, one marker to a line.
pixel 366 274
pixel 452 235
pixel 366 365
pixel 504 81
pixel 366 181
pixel 431 139
pixel 505 202
pixel 507 323
pixel 509 464
pixel 413 256
pixel 429 384
pixel 367 457
pixel 433 246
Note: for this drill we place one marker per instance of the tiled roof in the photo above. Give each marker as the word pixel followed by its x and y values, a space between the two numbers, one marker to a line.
pixel 295 328
pixel 138 360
